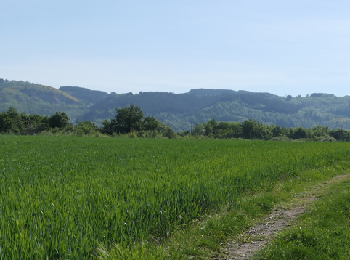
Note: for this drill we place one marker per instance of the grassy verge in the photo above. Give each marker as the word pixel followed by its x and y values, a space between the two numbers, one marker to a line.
pixel 322 233
pixel 204 238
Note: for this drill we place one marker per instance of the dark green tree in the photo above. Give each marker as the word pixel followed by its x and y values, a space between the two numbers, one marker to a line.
pixel 288 98
pixel 209 126
pixel 108 126
pixel 150 123
pixel 198 129
pixel 169 133
pixel 86 127
pixel 35 123
pixel 59 120
pixel 340 135
pixel 128 119
pixel 14 122
pixel 248 129
pixel 252 129
pixel 278 131
pixel 320 131
pixel 131 119
pixel 5 123
pixel 298 133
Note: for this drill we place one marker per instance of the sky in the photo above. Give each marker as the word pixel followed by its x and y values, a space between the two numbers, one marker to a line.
pixel 281 47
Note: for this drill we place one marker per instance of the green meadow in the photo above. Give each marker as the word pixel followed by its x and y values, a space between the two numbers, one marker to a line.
pixel 69 197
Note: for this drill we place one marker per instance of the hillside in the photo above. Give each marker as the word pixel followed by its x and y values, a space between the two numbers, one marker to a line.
pixel 84 94
pixel 39 99
pixel 183 110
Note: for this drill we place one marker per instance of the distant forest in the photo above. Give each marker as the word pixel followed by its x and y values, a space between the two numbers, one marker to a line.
pixel 180 111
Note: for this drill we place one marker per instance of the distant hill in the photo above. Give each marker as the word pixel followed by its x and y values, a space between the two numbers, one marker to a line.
pixel 38 99
pixel 207 92
pixel 91 96
pixel 201 105
pixel 181 111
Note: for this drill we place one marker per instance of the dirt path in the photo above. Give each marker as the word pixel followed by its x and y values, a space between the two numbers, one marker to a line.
pixel 259 235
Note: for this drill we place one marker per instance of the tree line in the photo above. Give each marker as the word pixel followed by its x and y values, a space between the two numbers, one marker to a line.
pixel 132 122
pixel 13 122
pixel 129 120
pixel 253 129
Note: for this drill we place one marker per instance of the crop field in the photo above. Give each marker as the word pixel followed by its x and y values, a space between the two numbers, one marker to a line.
pixel 61 197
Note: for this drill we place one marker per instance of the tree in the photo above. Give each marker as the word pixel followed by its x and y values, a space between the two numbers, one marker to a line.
pixel 320 131
pixel 85 128
pixel 289 97
pixel 248 129
pixel 279 131
pixel 151 123
pixel 298 133
pixel 5 123
pixel 35 123
pixel 13 122
pixel 128 119
pixel 59 120
pixel 209 126
pixel 108 126
pixel 169 133
pixel 252 129
pixel 198 129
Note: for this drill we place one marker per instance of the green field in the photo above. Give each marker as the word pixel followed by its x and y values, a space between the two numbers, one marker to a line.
pixel 63 197
pixel 322 233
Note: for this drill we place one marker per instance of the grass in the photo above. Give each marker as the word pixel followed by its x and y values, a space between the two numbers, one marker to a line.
pixel 77 198
pixel 321 233
pixel 206 237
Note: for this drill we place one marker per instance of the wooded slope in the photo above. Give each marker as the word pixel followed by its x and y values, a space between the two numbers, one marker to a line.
pixel 179 110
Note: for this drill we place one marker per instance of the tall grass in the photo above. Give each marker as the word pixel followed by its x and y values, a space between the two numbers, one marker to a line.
pixel 60 197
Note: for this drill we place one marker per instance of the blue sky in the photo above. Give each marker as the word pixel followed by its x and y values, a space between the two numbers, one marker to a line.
pixel 282 47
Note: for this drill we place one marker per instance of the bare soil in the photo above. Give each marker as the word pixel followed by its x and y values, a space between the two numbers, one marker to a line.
pixel 259 236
